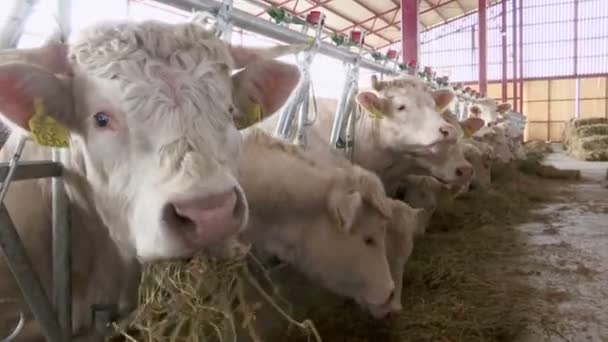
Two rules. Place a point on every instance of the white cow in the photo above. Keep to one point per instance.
(488, 110)
(150, 171)
(328, 222)
(401, 131)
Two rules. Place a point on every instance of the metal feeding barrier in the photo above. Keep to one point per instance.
(299, 103)
(56, 323)
(342, 136)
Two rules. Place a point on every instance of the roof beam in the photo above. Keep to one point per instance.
(355, 24)
(381, 16)
(352, 20)
(434, 7)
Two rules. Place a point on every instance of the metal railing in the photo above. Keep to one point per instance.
(56, 324)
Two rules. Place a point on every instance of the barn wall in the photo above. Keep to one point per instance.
(549, 103)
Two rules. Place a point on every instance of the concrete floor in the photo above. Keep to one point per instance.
(567, 257)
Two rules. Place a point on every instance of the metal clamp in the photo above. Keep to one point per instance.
(102, 317)
(19, 326)
(299, 103)
(342, 135)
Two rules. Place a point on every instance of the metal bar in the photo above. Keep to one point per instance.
(61, 239)
(249, 22)
(14, 24)
(575, 59)
(20, 264)
(515, 59)
(504, 51)
(64, 17)
(543, 78)
(521, 55)
(410, 33)
(62, 256)
(328, 28)
(435, 7)
(276, 5)
(29, 283)
(377, 15)
(343, 16)
(31, 170)
(483, 46)
(548, 110)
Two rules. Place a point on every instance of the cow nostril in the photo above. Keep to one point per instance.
(459, 172)
(444, 132)
(391, 296)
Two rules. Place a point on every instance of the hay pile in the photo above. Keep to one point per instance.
(452, 291)
(201, 299)
(587, 139)
(537, 146)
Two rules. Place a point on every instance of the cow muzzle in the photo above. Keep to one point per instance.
(207, 220)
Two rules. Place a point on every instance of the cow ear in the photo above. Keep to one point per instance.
(475, 110)
(472, 125)
(262, 88)
(503, 108)
(22, 85)
(344, 206)
(442, 99)
(244, 56)
(371, 102)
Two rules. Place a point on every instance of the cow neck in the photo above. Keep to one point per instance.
(368, 151)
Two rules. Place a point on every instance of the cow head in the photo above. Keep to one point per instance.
(408, 114)
(399, 245)
(345, 248)
(449, 166)
(481, 163)
(149, 111)
(485, 109)
(421, 192)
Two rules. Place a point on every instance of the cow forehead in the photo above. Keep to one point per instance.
(171, 73)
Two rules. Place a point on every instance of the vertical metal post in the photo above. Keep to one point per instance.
(61, 245)
(577, 99)
(62, 256)
(515, 56)
(521, 55)
(503, 34)
(14, 25)
(410, 33)
(21, 266)
(483, 46)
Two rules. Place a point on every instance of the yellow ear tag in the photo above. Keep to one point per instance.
(339, 222)
(467, 132)
(45, 130)
(311, 42)
(376, 113)
(254, 114)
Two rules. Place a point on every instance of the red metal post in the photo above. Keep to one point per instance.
(515, 59)
(410, 34)
(504, 51)
(483, 46)
(521, 55)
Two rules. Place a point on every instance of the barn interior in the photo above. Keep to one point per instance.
(513, 248)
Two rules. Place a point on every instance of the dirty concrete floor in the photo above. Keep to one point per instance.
(567, 256)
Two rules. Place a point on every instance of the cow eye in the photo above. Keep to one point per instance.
(369, 241)
(400, 108)
(102, 119)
